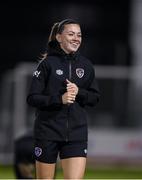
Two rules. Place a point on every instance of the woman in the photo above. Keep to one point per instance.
(63, 84)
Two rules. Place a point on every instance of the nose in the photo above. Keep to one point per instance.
(76, 37)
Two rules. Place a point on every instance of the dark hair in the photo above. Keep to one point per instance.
(57, 28)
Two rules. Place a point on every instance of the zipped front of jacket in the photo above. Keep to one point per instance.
(70, 77)
(70, 70)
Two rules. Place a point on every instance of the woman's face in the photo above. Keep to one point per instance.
(70, 38)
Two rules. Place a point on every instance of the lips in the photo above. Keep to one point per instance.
(75, 44)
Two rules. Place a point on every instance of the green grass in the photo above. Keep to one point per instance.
(7, 172)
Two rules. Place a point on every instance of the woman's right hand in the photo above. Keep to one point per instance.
(68, 97)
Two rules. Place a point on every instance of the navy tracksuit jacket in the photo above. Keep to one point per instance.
(54, 120)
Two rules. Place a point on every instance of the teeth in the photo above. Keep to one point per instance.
(75, 44)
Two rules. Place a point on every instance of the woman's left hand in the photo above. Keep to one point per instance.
(72, 87)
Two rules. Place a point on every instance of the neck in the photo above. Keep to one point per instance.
(66, 50)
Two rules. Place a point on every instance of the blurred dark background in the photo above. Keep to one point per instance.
(25, 29)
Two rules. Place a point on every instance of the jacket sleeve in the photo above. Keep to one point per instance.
(90, 95)
(36, 96)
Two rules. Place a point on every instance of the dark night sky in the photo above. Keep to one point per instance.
(25, 29)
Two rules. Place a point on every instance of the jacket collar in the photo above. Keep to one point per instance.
(54, 49)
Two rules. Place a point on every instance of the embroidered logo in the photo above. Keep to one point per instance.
(85, 151)
(80, 72)
(59, 72)
(36, 73)
(38, 151)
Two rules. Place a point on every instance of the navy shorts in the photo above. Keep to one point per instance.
(48, 151)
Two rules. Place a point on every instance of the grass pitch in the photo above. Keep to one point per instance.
(7, 172)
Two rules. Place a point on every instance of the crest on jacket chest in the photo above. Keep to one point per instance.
(80, 72)
(59, 72)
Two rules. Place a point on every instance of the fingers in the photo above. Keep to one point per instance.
(71, 96)
(71, 87)
(68, 81)
(69, 84)
(68, 97)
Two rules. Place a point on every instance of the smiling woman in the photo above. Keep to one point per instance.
(65, 85)
(70, 38)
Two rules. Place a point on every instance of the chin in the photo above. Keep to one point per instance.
(73, 50)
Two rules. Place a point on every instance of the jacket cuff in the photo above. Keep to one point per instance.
(82, 96)
(82, 93)
(54, 100)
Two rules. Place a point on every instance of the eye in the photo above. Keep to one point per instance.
(79, 35)
(70, 34)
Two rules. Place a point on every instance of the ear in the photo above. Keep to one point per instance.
(58, 38)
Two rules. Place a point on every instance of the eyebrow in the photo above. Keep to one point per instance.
(73, 32)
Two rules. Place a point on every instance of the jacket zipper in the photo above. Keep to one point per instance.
(70, 69)
(70, 76)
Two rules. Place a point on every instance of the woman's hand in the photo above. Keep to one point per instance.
(72, 87)
(68, 97)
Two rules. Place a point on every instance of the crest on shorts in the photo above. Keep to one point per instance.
(38, 151)
(80, 72)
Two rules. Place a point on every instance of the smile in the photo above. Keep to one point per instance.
(75, 44)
